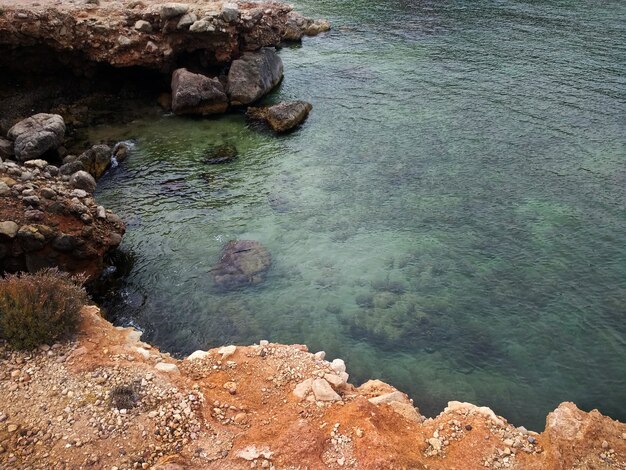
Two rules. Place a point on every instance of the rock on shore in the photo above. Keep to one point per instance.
(109, 400)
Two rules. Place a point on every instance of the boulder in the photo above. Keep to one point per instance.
(243, 262)
(36, 135)
(323, 391)
(83, 180)
(96, 160)
(193, 93)
(282, 117)
(253, 76)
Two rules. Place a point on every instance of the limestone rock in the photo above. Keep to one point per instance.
(187, 20)
(303, 388)
(198, 355)
(143, 26)
(205, 25)
(8, 229)
(323, 391)
(172, 10)
(284, 116)
(194, 93)
(227, 351)
(166, 367)
(243, 262)
(36, 135)
(253, 75)
(83, 180)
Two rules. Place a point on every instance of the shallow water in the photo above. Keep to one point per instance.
(450, 219)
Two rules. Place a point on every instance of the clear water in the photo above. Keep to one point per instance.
(450, 219)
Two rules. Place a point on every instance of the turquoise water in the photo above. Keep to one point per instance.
(450, 219)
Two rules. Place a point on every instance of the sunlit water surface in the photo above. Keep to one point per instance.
(450, 219)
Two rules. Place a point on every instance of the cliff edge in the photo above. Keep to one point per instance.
(110, 401)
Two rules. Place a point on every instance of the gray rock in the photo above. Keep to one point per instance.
(83, 180)
(323, 391)
(143, 26)
(71, 167)
(8, 229)
(38, 163)
(4, 189)
(6, 148)
(303, 389)
(202, 26)
(230, 12)
(36, 135)
(172, 10)
(253, 75)
(243, 262)
(187, 20)
(193, 93)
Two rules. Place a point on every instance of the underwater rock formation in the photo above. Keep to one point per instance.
(243, 262)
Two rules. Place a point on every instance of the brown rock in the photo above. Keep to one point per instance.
(194, 93)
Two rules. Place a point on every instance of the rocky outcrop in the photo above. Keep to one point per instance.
(243, 262)
(150, 33)
(193, 93)
(225, 153)
(282, 117)
(260, 406)
(36, 135)
(253, 76)
(298, 26)
(50, 220)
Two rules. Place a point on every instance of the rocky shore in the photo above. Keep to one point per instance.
(110, 401)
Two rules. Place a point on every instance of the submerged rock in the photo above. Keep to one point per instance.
(282, 117)
(194, 93)
(36, 135)
(221, 154)
(243, 262)
(253, 76)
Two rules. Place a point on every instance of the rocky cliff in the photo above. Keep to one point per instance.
(109, 400)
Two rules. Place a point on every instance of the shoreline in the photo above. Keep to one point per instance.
(122, 403)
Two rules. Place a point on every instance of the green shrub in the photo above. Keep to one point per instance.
(39, 308)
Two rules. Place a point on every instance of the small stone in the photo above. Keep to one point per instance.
(227, 351)
(435, 443)
(320, 355)
(143, 26)
(605, 445)
(532, 440)
(166, 367)
(338, 365)
(468, 427)
(231, 387)
(12, 428)
(303, 389)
